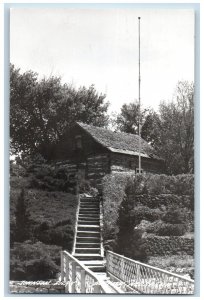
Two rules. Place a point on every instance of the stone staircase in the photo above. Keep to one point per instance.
(88, 247)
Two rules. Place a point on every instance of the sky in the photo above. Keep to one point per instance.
(100, 46)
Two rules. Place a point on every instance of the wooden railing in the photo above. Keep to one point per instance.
(101, 225)
(144, 279)
(78, 278)
(76, 223)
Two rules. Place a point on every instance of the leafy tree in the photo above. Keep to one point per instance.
(129, 239)
(42, 110)
(22, 219)
(151, 129)
(128, 118)
(176, 130)
(170, 131)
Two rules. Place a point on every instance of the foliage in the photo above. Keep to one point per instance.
(22, 219)
(129, 239)
(42, 110)
(55, 235)
(170, 131)
(128, 118)
(181, 264)
(113, 194)
(157, 184)
(151, 127)
(36, 261)
(157, 204)
(168, 229)
(176, 130)
(51, 213)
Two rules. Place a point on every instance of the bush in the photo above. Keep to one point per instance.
(113, 194)
(60, 236)
(157, 199)
(167, 229)
(177, 216)
(142, 212)
(34, 261)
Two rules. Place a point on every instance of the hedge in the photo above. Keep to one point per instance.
(154, 198)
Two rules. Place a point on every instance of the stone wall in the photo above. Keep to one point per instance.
(37, 287)
(168, 245)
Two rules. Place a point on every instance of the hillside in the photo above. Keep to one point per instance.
(51, 214)
(151, 218)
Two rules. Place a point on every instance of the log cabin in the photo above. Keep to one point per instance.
(92, 152)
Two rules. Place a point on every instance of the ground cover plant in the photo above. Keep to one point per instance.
(46, 222)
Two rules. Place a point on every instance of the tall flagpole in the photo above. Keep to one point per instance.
(139, 81)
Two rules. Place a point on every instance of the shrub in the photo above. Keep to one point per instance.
(177, 215)
(22, 219)
(34, 261)
(113, 194)
(60, 236)
(167, 229)
(142, 212)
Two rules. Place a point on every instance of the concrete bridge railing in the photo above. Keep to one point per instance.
(145, 279)
(78, 278)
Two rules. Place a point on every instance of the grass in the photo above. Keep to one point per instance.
(179, 264)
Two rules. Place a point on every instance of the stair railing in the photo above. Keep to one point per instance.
(101, 225)
(145, 279)
(78, 278)
(76, 223)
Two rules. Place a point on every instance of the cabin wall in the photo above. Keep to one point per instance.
(68, 150)
(97, 167)
(126, 163)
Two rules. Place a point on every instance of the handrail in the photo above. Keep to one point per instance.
(76, 223)
(146, 279)
(101, 225)
(78, 278)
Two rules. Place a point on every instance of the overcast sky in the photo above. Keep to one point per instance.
(100, 46)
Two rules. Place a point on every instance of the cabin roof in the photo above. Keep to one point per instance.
(119, 142)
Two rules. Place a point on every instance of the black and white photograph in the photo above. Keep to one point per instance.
(102, 169)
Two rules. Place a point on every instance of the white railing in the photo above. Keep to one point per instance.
(78, 278)
(101, 225)
(76, 223)
(145, 279)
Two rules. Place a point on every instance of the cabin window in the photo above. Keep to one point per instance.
(78, 142)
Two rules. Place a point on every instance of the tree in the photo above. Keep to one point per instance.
(151, 128)
(22, 219)
(128, 118)
(42, 110)
(176, 130)
(129, 239)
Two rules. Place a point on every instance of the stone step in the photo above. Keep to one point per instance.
(88, 234)
(88, 210)
(97, 268)
(92, 216)
(94, 207)
(87, 245)
(84, 222)
(88, 239)
(94, 204)
(89, 207)
(95, 265)
(95, 228)
(81, 256)
(88, 250)
(89, 199)
(88, 218)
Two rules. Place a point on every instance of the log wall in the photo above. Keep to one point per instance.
(127, 163)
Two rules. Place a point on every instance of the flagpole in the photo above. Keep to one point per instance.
(139, 82)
